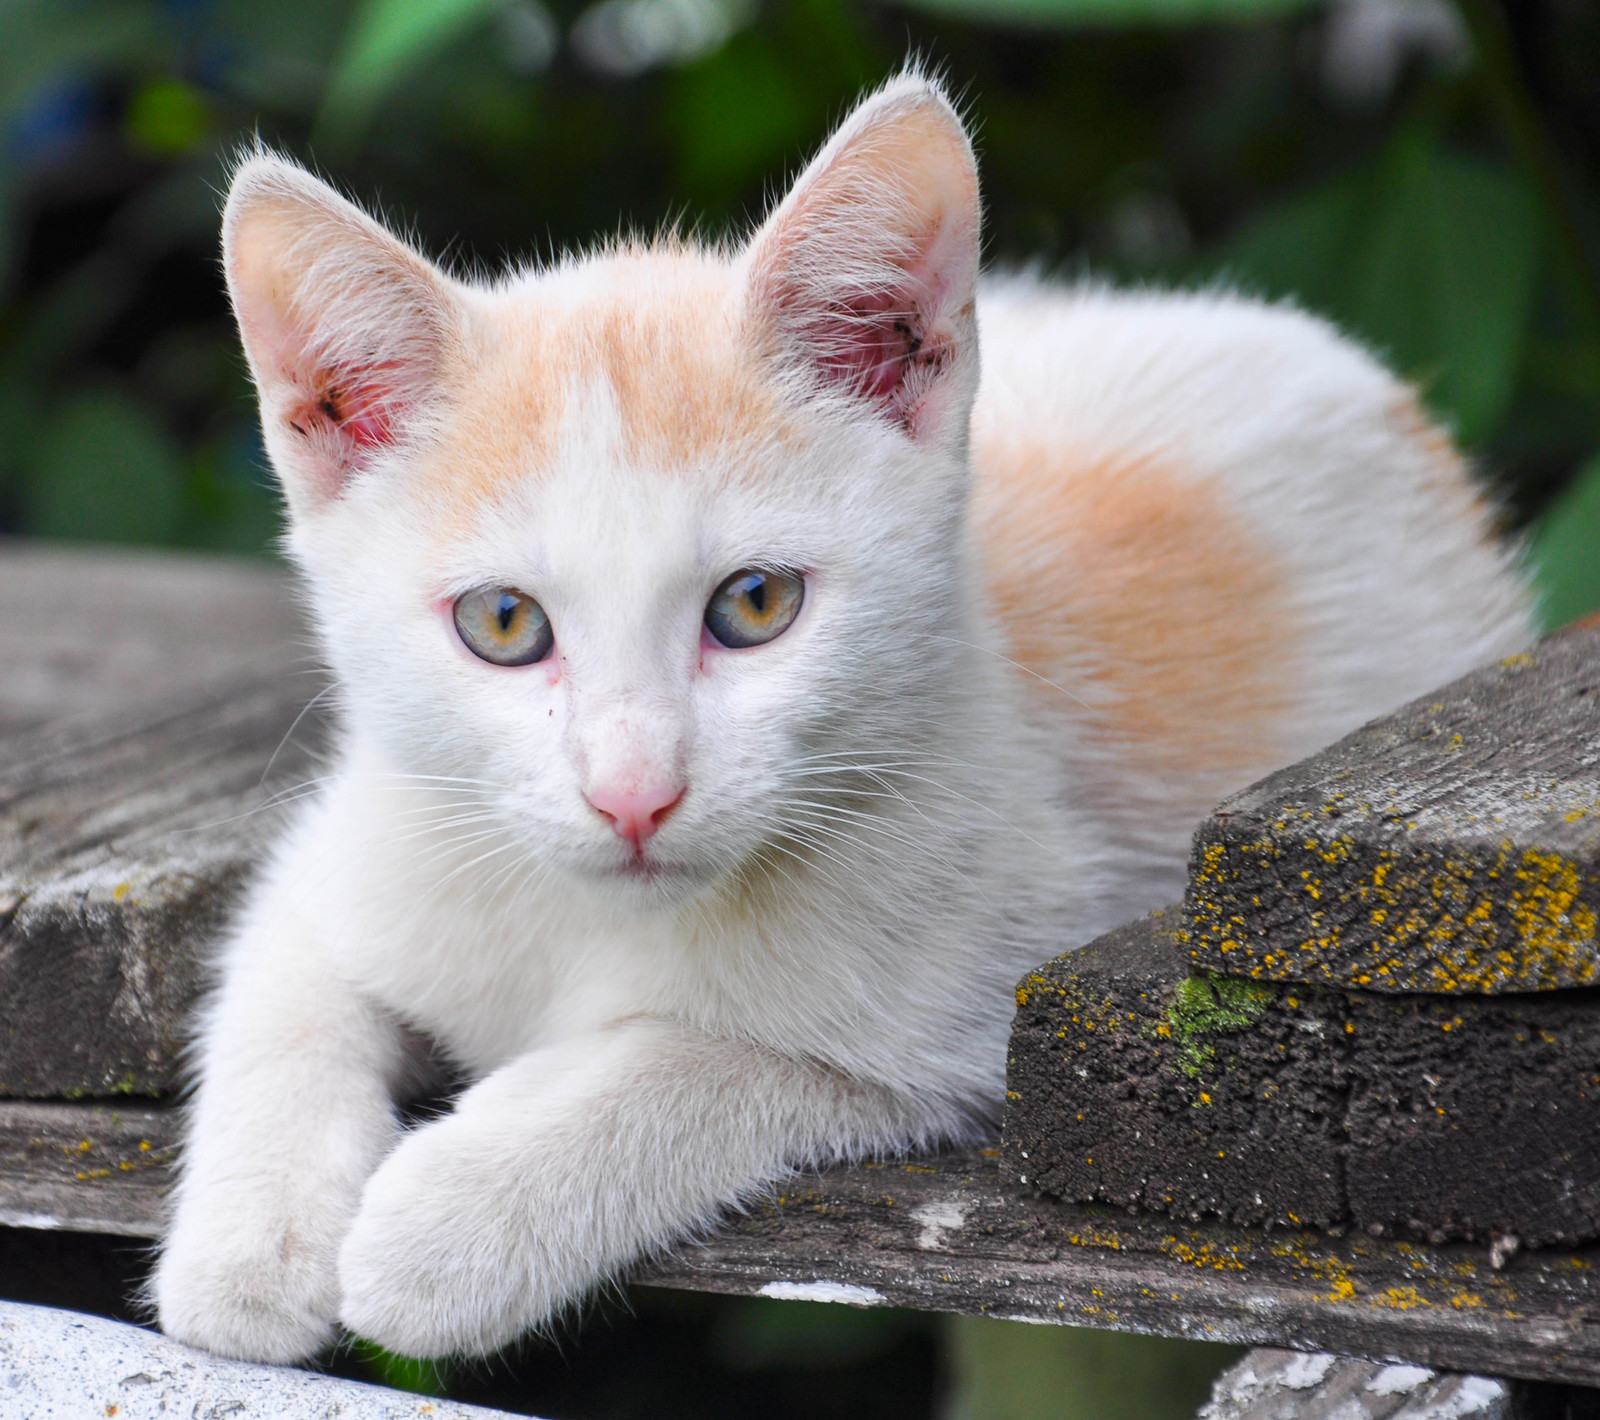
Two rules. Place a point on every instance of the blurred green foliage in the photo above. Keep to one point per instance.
(1012, 1371)
(1566, 550)
(1420, 172)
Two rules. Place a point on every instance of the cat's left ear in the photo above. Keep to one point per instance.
(866, 274)
(346, 328)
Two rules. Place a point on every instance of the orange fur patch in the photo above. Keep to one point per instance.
(661, 333)
(1140, 590)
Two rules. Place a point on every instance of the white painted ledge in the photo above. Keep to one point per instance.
(59, 1365)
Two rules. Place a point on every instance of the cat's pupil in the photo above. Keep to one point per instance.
(757, 592)
(506, 612)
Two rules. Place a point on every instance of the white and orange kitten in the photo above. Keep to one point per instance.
(739, 693)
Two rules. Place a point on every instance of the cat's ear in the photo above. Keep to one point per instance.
(344, 326)
(866, 273)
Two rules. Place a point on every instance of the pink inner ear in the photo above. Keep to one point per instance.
(361, 406)
(884, 343)
(869, 344)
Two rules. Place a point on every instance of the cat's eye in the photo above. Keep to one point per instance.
(753, 607)
(504, 626)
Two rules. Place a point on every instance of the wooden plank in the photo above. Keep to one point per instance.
(1132, 1081)
(1451, 847)
(144, 698)
(120, 855)
(92, 1168)
(950, 1234)
(61, 1364)
(1290, 1385)
(88, 634)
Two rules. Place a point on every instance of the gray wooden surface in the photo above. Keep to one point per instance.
(123, 835)
(86, 633)
(1451, 847)
(1131, 1081)
(91, 1168)
(953, 1234)
(127, 825)
(59, 1365)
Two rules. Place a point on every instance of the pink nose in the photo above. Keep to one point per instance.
(638, 815)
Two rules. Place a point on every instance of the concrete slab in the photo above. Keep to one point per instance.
(59, 1365)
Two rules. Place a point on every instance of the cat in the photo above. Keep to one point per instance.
(739, 693)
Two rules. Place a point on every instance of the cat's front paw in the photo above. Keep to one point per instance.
(240, 1286)
(441, 1259)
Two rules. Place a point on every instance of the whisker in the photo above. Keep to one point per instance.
(1001, 656)
(305, 710)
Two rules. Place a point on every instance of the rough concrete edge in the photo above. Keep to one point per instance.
(62, 1363)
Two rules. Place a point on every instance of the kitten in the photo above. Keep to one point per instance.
(739, 695)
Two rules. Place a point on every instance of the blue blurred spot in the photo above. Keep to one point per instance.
(60, 116)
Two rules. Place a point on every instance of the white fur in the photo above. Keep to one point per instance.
(876, 841)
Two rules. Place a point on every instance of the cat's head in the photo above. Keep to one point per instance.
(634, 553)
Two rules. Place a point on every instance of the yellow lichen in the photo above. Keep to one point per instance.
(1400, 1298)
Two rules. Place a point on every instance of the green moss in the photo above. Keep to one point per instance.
(1205, 1005)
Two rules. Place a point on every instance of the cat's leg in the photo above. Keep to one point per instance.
(569, 1163)
(292, 1113)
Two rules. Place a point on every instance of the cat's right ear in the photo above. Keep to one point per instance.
(345, 327)
(866, 273)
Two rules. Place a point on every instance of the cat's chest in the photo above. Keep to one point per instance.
(490, 982)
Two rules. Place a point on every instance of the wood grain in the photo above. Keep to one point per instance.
(1451, 847)
(130, 819)
(92, 1168)
(88, 634)
(949, 1234)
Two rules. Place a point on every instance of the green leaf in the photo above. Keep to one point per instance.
(1566, 551)
(736, 114)
(1430, 257)
(387, 39)
(104, 470)
(229, 509)
(403, 1372)
(1069, 14)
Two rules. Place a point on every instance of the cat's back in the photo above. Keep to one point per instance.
(1227, 533)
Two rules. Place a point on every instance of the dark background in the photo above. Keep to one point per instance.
(1420, 170)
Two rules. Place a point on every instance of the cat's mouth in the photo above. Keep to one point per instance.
(651, 871)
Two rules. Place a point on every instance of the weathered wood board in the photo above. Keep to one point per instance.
(91, 633)
(1133, 1081)
(1290, 1385)
(950, 1234)
(126, 833)
(1451, 847)
(93, 1168)
(120, 854)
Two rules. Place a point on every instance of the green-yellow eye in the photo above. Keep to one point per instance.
(751, 607)
(504, 626)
